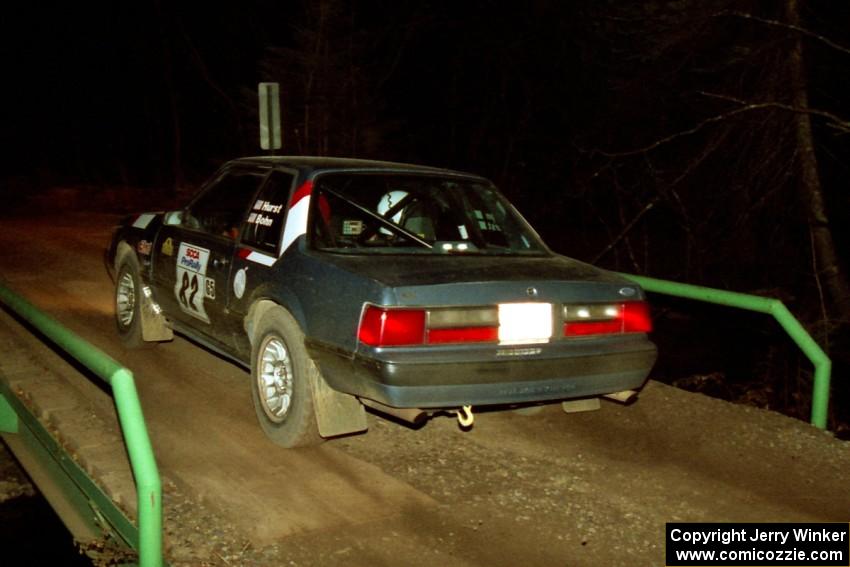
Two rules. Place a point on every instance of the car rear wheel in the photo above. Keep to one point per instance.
(282, 377)
(128, 302)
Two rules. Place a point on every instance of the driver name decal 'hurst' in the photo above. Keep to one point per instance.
(191, 285)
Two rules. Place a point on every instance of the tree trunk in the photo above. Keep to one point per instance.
(811, 192)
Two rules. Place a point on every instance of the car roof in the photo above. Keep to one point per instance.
(318, 164)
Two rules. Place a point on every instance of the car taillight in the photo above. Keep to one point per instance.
(606, 319)
(636, 318)
(381, 326)
(464, 335)
(392, 327)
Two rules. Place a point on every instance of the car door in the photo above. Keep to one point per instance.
(260, 246)
(193, 259)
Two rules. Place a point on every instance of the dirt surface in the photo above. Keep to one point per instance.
(13, 481)
(593, 488)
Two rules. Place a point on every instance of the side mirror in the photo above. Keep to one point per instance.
(173, 218)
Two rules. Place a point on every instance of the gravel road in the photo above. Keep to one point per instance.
(592, 488)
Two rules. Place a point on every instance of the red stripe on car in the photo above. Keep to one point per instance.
(303, 191)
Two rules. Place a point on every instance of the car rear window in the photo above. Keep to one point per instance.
(378, 213)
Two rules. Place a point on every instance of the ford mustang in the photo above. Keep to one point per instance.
(346, 283)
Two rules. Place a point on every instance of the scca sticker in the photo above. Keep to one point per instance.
(191, 286)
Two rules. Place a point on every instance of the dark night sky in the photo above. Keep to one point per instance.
(89, 84)
(99, 80)
(92, 89)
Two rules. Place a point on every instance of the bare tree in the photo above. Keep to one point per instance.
(827, 263)
(738, 121)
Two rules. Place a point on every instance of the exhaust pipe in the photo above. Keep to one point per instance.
(410, 415)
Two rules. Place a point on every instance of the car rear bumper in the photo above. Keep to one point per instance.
(451, 377)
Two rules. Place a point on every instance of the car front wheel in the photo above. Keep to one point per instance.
(281, 377)
(128, 302)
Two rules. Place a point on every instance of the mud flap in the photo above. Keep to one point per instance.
(154, 327)
(336, 413)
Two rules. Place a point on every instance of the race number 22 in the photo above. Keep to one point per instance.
(191, 289)
(191, 279)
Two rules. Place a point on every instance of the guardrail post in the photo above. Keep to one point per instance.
(148, 485)
(822, 363)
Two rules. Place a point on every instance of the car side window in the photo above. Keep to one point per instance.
(220, 209)
(264, 226)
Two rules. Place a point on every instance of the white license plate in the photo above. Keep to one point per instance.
(525, 323)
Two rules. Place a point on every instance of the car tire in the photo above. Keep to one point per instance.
(128, 302)
(282, 376)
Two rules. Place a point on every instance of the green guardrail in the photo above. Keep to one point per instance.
(820, 360)
(136, 439)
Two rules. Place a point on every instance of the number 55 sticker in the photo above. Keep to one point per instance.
(191, 280)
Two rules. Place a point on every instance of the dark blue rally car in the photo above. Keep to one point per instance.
(342, 283)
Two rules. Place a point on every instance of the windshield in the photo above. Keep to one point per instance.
(376, 213)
